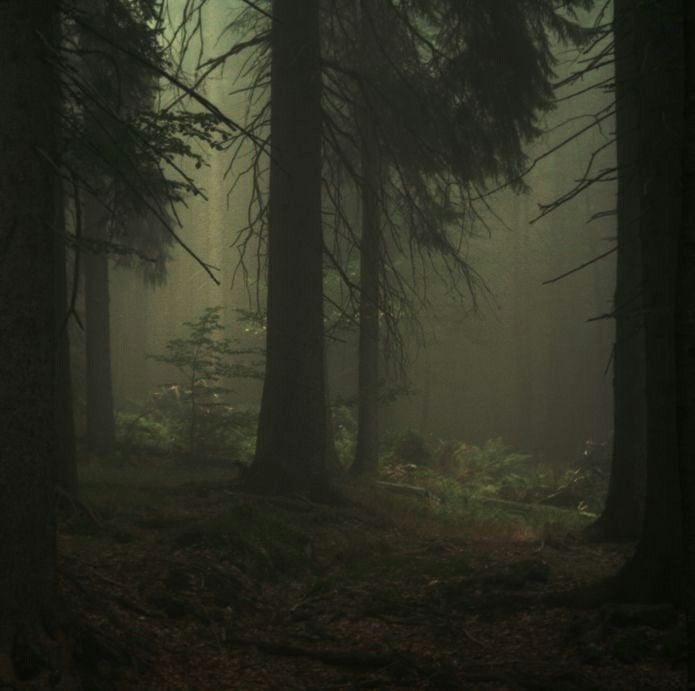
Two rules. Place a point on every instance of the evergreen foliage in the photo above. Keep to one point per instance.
(127, 138)
(204, 359)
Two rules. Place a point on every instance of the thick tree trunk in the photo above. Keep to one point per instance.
(290, 452)
(367, 450)
(622, 516)
(685, 336)
(66, 460)
(28, 105)
(101, 433)
(656, 571)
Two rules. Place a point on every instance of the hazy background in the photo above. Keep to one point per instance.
(526, 366)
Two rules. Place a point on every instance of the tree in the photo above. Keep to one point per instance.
(623, 513)
(431, 130)
(203, 358)
(101, 426)
(655, 573)
(66, 452)
(371, 260)
(685, 334)
(113, 89)
(123, 156)
(290, 452)
(28, 128)
(396, 120)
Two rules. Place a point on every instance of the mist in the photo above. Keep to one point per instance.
(347, 344)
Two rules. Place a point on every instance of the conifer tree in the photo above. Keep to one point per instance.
(28, 188)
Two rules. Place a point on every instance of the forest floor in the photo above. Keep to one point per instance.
(180, 581)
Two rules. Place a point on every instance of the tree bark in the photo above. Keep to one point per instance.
(28, 106)
(655, 573)
(685, 336)
(66, 458)
(367, 449)
(291, 445)
(623, 513)
(101, 433)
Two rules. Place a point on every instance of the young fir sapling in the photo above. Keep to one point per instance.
(204, 359)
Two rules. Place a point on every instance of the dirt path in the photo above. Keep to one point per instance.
(199, 587)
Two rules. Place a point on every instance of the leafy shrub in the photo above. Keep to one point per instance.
(454, 469)
(139, 431)
(164, 426)
(495, 469)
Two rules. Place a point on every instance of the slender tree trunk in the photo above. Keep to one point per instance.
(655, 573)
(332, 457)
(290, 451)
(685, 336)
(101, 433)
(522, 400)
(622, 516)
(28, 105)
(426, 399)
(367, 451)
(66, 459)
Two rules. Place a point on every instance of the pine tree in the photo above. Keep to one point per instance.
(290, 451)
(623, 513)
(655, 573)
(28, 189)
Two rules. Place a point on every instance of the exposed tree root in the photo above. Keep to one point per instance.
(35, 657)
(76, 505)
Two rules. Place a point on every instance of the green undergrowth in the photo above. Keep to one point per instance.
(450, 511)
(457, 473)
(376, 534)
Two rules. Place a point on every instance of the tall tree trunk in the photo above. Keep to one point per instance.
(66, 459)
(655, 573)
(367, 450)
(522, 399)
(332, 457)
(28, 105)
(101, 433)
(685, 336)
(290, 451)
(622, 515)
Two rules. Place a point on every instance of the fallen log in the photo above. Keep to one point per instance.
(405, 490)
(529, 507)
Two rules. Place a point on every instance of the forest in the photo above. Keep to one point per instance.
(347, 344)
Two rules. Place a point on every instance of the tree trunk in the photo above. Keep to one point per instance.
(367, 450)
(28, 105)
(622, 515)
(290, 452)
(522, 399)
(332, 458)
(101, 434)
(66, 460)
(655, 573)
(685, 336)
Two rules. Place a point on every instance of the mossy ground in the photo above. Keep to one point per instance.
(182, 581)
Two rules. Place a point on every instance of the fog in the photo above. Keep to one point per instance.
(347, 344)
(521, 360)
